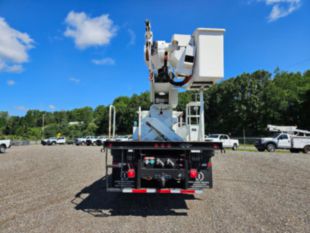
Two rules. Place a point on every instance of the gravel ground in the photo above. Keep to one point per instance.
(60, 189)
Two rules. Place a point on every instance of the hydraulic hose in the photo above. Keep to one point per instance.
(181, 83)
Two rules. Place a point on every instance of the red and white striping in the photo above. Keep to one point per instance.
(162, 191)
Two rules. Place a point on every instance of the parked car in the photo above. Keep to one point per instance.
(4, 145)
(54, 141)
(224, 139)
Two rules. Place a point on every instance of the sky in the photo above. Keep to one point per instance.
(64, 54)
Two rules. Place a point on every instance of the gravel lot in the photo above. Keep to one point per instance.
(60, 189)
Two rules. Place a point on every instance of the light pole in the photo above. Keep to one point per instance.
(43, 125)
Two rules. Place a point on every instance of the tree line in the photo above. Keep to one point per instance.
(246, 103)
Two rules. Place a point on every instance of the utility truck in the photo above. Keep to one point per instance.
(285, 137)
(4, 145)
(168, 153)
(225, 139)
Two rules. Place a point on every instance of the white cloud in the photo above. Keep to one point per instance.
(14, 46)
(281, 8)
(104, 61)
(87, 31)
(15, 68)
(10, 82)
(21, 108)
(74, 80)
(132, 37)
(52, 107)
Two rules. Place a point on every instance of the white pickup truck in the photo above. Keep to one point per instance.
(80, 141)
(284, 141)
(54, 141)
(91, 140)
(226, 141)
(100, 140)
(88, 140)
(123, 138)
(4, 144)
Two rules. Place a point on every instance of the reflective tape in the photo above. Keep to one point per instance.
(162, 191)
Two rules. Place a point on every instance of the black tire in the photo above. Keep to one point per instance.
(261, 150)
(271, 147)
(2, 148)
(235, 147)
(306, 149)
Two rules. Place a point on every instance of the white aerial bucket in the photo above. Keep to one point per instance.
(209, 57)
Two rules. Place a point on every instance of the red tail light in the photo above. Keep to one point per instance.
(131, 173)
(155, 145)
(193, 173)
(209, 164)
(216, 146)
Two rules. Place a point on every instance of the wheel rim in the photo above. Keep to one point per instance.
(270, 148)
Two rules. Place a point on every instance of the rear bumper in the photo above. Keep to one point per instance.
(158, 191)
(168, 179)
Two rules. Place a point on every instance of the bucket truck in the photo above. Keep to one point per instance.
(285, 137)
(169, 154)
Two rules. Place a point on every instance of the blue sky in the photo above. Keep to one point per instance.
(53, 57)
